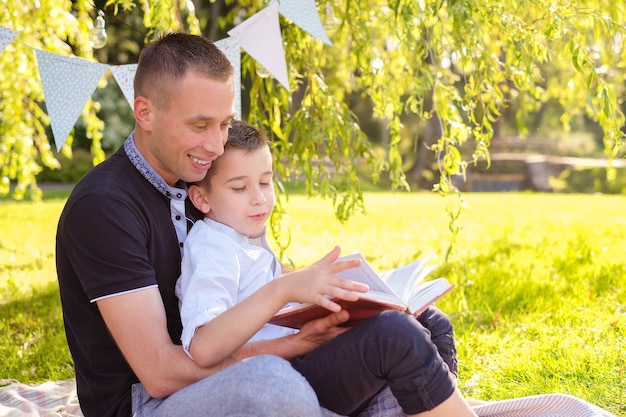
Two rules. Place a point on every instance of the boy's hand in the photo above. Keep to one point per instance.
(316, 283)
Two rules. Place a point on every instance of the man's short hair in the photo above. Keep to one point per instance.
(165, 61)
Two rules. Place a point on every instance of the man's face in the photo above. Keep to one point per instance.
(187, 136)
(242, 193)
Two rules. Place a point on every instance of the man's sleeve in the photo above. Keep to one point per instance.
(106, 242)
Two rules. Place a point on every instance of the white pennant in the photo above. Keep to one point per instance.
(125, 76)
(68, 82)
(6, 37)
(231, 48)
(260, 37)
(304, 14)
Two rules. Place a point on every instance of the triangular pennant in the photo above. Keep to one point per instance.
(304, 14)
(260, 37)
(68, 82)
(231, 48)
(6, 37)
(124, 76)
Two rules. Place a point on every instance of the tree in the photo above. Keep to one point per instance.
(24, 145)
(455, 64)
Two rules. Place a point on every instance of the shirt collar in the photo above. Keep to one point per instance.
(137, 159)
(259, 241)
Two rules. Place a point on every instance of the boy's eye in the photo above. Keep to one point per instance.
(265, 184)
(239, 189)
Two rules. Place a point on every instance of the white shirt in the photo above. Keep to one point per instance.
(220, 268)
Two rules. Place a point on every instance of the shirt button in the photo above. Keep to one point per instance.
(179, 195)
(180, 244)
(177, 217)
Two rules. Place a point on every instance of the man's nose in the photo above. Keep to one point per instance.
(214, 142)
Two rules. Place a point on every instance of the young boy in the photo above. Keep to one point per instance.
(230, 286)
(226, 256)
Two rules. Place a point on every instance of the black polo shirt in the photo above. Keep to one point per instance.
(114, 235)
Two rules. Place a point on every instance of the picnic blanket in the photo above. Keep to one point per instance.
(52, 398)
(58, 398)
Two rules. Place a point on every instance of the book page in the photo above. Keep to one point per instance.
(404, 279)
(427, 293)
(417, 280)
(365, 274)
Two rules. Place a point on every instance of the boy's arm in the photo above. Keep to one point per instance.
(310, 336)
(227, 333)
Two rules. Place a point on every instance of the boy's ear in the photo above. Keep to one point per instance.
(197, 195)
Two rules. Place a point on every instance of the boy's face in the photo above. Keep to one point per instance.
(242, 193)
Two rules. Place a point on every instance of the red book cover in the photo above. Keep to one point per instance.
(296, 317)
(398, 289)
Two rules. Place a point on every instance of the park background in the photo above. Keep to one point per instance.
(460, 98)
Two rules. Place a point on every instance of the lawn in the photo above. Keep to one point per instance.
(539, 307)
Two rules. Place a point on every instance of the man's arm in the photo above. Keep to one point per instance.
(138, 324)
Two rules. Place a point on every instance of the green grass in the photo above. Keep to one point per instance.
(540, 303)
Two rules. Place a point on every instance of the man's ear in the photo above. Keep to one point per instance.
(142, 109)
(197, 195)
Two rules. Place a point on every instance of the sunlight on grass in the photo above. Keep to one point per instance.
(27, 245)
(539, 307)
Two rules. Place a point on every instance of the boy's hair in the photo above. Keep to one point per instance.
(164, 62)
(240, 136)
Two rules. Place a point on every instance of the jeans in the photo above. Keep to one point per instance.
(268, 386)
(260, 386)
(390, 349)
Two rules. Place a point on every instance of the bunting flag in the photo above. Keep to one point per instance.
(260, 37)
(231, 48)
(68, 82)
(6, 37)
(304, 14)
(125, 76)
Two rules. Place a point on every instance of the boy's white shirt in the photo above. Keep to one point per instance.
(220, 268)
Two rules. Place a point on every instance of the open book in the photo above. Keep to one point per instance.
(398, 289)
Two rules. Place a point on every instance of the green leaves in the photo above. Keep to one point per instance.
(462, 63)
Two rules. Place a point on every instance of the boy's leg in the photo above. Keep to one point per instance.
(260, 386)
(392, 349)
(455, 405)
(383, 404)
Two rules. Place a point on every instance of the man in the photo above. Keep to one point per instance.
(119, 244)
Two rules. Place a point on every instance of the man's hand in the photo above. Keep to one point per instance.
(317, 332)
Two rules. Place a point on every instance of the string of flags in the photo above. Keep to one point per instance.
(69, 81)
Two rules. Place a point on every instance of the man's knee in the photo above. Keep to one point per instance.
(258, 386)
(280, 390)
